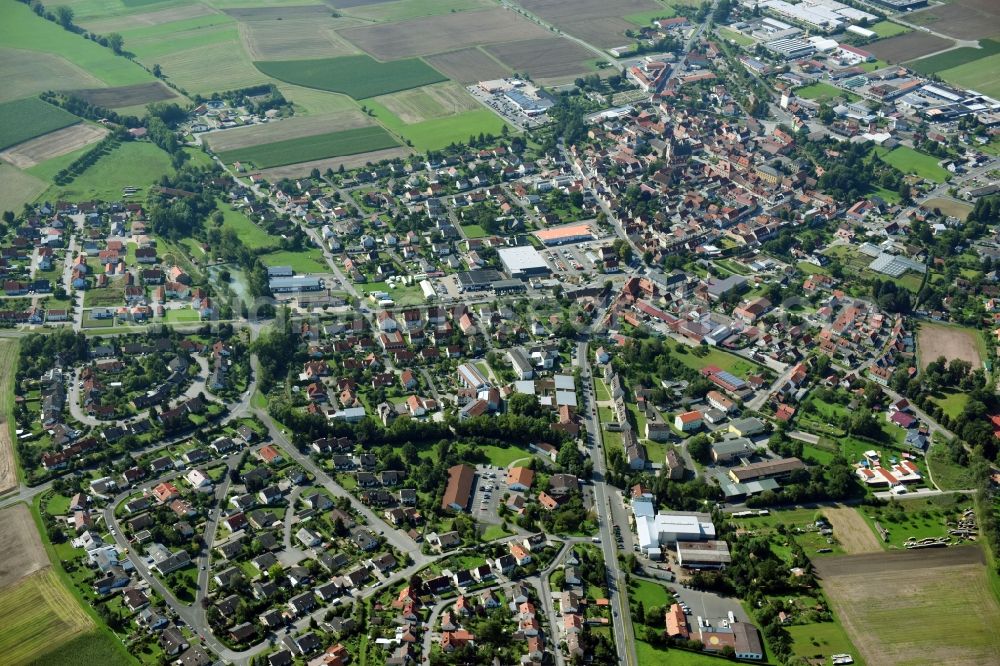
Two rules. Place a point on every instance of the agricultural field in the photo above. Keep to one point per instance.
(131, 164)
(26, 73)
(18, 188)
(21, 548)
(545, 58)
(290, 32)
(125, 96)
(596, 21)
(955, 58)
(348, 162)
(934, 340)
(908, 46)
(824, 92)
(295, 127)
(886, 29)
(468, 65)
(909, 160)
(436, 133)
(962, 19)
(428, 103)
(427, 36)
(22, 29)
(8, 460)
(851, 531)
(915, 607)
(358, 76)
(979, 75)
(332, 144)
(38, 614)
(25, 119)
(380, 11)
(54, 144)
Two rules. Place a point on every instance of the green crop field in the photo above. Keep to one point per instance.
(936, 64)
(304, 149)
(25, 119)
(359, 76)
(96, 647)
(133, 163)
(22, 29)
(37, 615)
(888, 29)
(909, 160)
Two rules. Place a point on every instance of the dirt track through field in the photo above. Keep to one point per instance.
(851, 530)
(63, 141)
(8, 464)
(21, 550)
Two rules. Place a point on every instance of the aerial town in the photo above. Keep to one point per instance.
(631, 332)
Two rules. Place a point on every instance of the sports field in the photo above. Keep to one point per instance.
(359, 76)
(918, 607)
(909, 160)
(25, 119)
(347, 142)
(823, 92)
(934, 340)
(8, 462)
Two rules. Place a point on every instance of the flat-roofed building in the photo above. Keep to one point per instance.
(703, 555)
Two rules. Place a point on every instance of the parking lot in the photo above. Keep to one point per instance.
(487, 493)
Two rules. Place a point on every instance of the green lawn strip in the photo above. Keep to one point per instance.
(24, 119)
(654, 656)
(601, 389)
(307, 148)
(359, 76)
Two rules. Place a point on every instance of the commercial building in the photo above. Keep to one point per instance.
(728, 450)
(769, 469)
(478, 280)
(703, 555)
(573, 233)
(523, 262)
(790, 48)
(294, 284)
(459, 489)
(658, 530)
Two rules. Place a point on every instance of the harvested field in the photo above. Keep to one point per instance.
(345, 4)
(916, 608)
(437, 34)
(598, 22)
(429, 102)
(26, 73)
(145, 19)
(851, 530)
(116, 98)
(287, 33)
(21, 550)
(8, 461)
(316, 147)
(468, 65)
(907, 47)
(962, 19)
(546, 58)
(934, 340)
(38, 615)
(66, 140)
(348, 161)
(291, 128)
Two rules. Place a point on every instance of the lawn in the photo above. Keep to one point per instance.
(438, 133)
(601, 389)
(304, 261)
(919, 517)
(22, 29)
(886, 29)
(494, 532)
(653, 656)
(502, 457)
(359, 76)
(473, 231)
(25, 119)
(252, 235)
(180, 315)
(38, 614)
(131, 164)
(104, 297)
(307, 148)
(409, 294)
(649, 593)
(824, 92)
(736, 365)
(952, 404)
(739, 38)
(820, 640)
(909, 160)
(643, 19)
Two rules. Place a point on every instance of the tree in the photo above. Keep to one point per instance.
(116, 43)
(157, 72)
(64, 16)
(700, 448)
